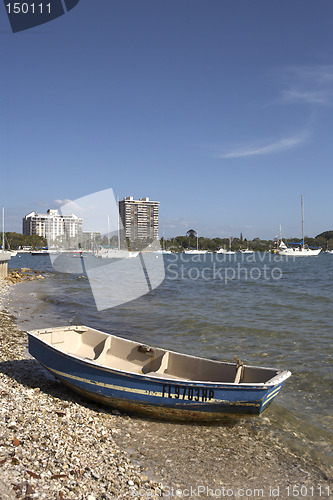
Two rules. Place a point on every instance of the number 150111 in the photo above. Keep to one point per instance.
(28, 8)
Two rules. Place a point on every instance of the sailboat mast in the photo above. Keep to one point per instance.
(302, 220)
(109, 236)
(3, 228)
(118, 223)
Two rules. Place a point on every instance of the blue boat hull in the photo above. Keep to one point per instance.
(158, 398)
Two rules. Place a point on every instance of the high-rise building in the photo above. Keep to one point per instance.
(139, 218)
(52, 225)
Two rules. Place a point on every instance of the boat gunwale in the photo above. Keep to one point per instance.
(276, 380)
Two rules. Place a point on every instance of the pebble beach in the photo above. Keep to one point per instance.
(56, 445)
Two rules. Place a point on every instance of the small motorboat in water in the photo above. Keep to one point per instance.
(164, 384)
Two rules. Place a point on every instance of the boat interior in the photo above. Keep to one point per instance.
(120, 354)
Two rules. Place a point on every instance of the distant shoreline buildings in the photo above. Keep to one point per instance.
(138, 221)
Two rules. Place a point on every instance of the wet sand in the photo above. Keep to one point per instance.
(55, 444)
(231, 460)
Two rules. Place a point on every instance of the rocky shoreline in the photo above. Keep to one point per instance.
(52, 444)
(56, 445)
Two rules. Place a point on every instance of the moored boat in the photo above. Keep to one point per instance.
(162, 251)
(115, 253)
(292, 249)
(39, 252)
(153, 381)
(193, 251)
(224, 251)
(297, 250)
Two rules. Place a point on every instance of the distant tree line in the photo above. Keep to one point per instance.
(14, 241)
(180, 243)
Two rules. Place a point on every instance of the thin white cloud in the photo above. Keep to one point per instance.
(308, 84)
(58, 203)
(263, 149)
(310, 97)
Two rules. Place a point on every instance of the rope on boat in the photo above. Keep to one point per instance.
(239, 370)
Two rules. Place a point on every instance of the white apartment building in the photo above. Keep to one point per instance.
(52, 225)
(139, 218)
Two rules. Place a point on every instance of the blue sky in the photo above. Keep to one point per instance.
(221, 110)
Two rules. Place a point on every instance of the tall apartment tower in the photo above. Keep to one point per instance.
(139, 218)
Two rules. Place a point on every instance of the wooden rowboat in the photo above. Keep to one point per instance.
(148, 380)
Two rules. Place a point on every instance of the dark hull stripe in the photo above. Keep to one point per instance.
(163, 412)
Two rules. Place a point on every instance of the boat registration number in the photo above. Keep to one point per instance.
(187, 392)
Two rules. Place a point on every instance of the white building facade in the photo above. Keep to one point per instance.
(52, 225)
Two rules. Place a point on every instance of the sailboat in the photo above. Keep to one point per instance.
(327, 250)
(196, 251)
(298, 249)
(116, 253)
(4, 256)
(10, 252)
(224, 251)
(246, 250)
(162, 251)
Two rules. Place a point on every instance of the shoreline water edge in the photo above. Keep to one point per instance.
(56, 445)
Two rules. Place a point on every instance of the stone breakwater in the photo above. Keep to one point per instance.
(24, 274)
(56, 445)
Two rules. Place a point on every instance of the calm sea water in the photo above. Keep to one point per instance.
(265, 309)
